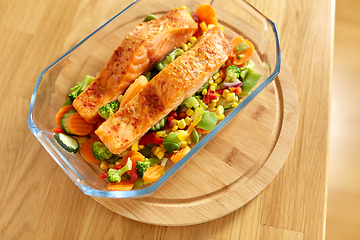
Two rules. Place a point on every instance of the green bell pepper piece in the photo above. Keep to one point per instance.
(249, 82)
(208, 121)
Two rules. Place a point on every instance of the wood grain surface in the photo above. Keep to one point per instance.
(254, 148)
(39, 201)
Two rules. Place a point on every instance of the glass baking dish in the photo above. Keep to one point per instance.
(90, 55)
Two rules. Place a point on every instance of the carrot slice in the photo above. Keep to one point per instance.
(153, 173)
(134, 157)
(247, 54)
(180, 154)
(86, 151)
(206, 14)
(121, 186)
(133, 89)
(78, 126)
(61, 113)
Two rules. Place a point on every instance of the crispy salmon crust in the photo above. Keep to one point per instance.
(140, 50)
(178, 81)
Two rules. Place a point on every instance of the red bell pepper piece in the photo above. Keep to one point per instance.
(133, 174)
(173, 114)
(220, 91)
(103, 175)
(158, 141)
(170, 118)
(209, 96)
(58, 130)
(237, 90)
(119, 166)
(146, 138)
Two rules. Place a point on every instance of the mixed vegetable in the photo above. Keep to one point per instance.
(170, 138)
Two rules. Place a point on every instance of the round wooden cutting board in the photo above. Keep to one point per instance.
(233, 168)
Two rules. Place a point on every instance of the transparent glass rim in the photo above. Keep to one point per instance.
(86, 189)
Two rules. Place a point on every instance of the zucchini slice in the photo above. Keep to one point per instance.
(227, 105)
(68, 143)
(64, 120)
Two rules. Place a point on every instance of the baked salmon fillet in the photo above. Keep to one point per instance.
(167, 90)
(140, 50)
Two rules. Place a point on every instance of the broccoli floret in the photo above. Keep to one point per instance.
(80, 87)
(109, 109)
(249, 68)
(232, 73)
(100, 151)
(115, 175)
(148, 162)
(141, 167)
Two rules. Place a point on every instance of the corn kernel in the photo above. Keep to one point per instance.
(189, 112)
(111, 165)
(212, 88)
(155, 150)
(204, 92)
(184, 47)
(193, 40)
(141, 147)
(215, 100)
(203, 26)
(183, 7)
(218, 80)
(104, 165)
(220, 109)
(187, 121)
(241, 100)
(176, 8)
(210, 26)
(182, 135)
(174, 128)
(135, 146)
(225, 93)
(160, 134)
(221, 27)
(211, 81)
(235, 104)
(117, 163)
(212, 109)
(181, 124)
(220, 116)
(230, 97)
(189, 141)
(212, 104)
(183, 144)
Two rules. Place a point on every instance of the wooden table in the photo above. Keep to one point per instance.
(38, 200)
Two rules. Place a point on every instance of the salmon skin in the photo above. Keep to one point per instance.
(167, 90)
(140, 50)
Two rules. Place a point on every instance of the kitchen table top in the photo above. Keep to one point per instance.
(39, 201)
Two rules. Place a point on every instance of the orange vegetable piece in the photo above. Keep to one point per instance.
(206, 14)
(202, 131)
(153, 173)
(203, 26)
(61, 113)
(134, 157)
(86, 151)
(222, 72)
(180, 154)
(121, 186)
(247, 54)
(133, 89)
(78, 126)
